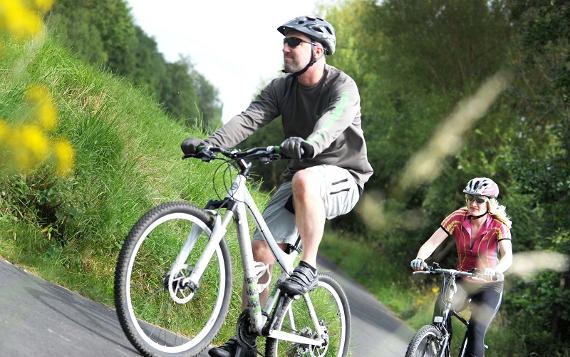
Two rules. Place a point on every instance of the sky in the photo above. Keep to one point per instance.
(234, 44)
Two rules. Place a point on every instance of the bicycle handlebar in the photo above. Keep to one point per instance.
(208, 153)
(454, 272)
(475, 274)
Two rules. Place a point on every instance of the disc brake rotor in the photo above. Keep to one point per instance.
(180, 293)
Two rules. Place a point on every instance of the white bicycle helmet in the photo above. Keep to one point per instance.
(482, 186)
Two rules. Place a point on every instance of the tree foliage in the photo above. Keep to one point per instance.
(102, 32)
(413, 62)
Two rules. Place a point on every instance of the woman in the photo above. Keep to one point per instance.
(482, 236)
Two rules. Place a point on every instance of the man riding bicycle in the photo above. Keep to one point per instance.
(320, 110)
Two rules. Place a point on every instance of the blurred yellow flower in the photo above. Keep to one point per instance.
(44, 110)
(35, 142)
(36, 93)
(65, 157)
(24, 147)
(19, 20)
(29, 146)
(435, 290)
(44, 5)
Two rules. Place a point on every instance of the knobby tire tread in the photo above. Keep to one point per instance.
(419, 336)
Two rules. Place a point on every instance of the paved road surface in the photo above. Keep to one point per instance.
(375, 330)
(38, 318)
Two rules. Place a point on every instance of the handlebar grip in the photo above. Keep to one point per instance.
(307, 151)
(192, 146)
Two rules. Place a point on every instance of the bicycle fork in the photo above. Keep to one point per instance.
(218, 233)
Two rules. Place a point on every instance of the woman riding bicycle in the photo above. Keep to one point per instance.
(482, 236)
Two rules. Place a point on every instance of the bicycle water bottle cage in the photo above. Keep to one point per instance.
(297, 246)
(260, 269)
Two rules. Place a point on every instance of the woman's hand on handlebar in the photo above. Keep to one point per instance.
(418, 264)
(491, 274)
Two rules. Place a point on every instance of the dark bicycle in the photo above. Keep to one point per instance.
(434, 340)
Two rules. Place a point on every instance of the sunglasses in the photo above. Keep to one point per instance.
(478, 199)
(294, 41)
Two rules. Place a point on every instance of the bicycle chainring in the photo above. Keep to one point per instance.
(312, 351)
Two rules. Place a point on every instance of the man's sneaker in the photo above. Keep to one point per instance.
(302, 280)
(243, 344)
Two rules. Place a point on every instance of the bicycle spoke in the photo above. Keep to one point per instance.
(330, 323)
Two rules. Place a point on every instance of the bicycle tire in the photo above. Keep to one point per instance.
(333, 312)
(151, 319)
(426, 343)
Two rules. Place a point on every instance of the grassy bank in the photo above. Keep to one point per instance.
(70, 230)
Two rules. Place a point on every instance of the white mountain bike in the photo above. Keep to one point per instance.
(173, 280)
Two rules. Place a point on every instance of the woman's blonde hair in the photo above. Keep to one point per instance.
(499, 211)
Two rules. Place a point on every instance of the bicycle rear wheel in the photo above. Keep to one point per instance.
(333, 313)
(427, 342)
(158, 313)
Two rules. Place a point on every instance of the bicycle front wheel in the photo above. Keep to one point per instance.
(159, 313)
(332, 313)
(427, 342)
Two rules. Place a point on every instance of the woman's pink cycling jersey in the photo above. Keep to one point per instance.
(475, 252)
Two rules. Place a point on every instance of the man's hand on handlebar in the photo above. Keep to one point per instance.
(297, 148)
(195, 147)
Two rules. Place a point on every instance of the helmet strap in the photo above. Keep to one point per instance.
(477, 217)
(312, 61)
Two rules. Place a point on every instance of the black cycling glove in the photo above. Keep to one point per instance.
(297, 148)
(193, 146)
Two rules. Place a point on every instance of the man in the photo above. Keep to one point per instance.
(320, 110)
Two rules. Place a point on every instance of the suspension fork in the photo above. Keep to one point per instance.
(218, 233)
(189, 244)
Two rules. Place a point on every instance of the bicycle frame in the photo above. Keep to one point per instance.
(443, 315)
(237, 200)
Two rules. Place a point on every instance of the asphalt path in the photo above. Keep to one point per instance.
(376, 331)
(38, 318)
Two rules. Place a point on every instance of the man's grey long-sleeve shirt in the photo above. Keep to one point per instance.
(327, 115)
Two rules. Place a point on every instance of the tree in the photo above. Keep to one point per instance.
(209, 105)
(105, 23)
(103, 33)
(150, 67)
(178, 95)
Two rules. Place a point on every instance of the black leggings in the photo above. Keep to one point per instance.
(485, 302)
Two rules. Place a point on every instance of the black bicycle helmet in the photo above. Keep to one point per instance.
(316, 28)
